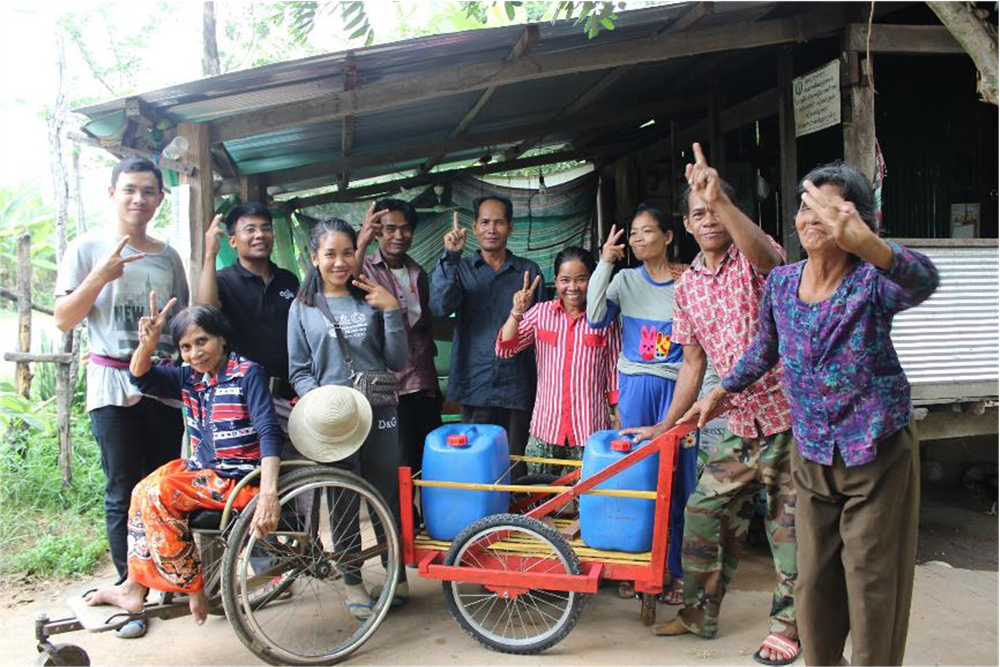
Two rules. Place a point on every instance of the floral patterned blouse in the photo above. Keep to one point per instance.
(841, 373)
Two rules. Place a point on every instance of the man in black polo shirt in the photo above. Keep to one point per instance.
(253, 293)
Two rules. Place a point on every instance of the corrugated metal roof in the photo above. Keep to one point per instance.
(952, 338)
(429, 121)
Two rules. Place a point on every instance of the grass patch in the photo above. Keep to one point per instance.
(49, 529)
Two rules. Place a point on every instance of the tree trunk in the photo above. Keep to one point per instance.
(977, 38)
(210, 55)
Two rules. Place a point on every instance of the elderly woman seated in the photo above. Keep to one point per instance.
(233, 429)
(856, 468)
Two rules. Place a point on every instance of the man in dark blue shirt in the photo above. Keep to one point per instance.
(480, 289)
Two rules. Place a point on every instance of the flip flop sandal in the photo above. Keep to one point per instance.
(626, 590)
(359, 610)
(133, 629)
(788, 651)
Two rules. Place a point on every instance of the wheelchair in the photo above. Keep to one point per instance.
(284, 595)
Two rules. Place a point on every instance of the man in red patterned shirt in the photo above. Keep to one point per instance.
(715, 317)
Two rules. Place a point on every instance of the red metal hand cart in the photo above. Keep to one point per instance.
(517, 583)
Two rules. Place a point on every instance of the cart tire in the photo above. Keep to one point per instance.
(648, 611)
(294, 612)
(63, 655)
(514, 625)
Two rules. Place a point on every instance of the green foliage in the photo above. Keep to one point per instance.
(300, 18)
(23, 210)
(48, 528)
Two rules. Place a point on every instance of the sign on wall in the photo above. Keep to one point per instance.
(816, 98)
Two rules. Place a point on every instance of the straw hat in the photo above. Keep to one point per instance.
(330, 423)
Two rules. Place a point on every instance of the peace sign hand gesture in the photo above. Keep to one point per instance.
(612, 251)
(839, 217)
(454, 240)
(703, 179)
(376, 295)
(371, 227)
(151, 326)
(113, 267)
(523, 298)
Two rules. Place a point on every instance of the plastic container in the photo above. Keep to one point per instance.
(617, 524)
(472, 453)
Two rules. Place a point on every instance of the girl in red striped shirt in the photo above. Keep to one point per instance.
(577, 376)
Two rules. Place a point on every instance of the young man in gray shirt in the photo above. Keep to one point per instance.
(105, 278)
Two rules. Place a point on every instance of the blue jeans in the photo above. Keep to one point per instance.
(643, 400)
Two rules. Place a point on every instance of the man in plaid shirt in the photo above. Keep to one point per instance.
(715, 318)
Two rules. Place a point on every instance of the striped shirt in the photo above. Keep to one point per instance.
(577, 376)
(230, 417)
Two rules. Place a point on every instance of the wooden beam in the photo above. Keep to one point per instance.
(859, 121)
(535, 130)
(759, 106)
(692, 16)
(43, 358)
(789, 184)
(224, 162)
(716, 135)
(460, 78)
(11, 295)
(902, 39)
(202, 207)
(125, 151)
(253, 188)
(440, 176)
(347, 126)
(524, 44)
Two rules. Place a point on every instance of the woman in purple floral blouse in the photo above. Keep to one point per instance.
(856, 471)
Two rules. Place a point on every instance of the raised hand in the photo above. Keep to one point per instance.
(839, 217)
(524, 297)
(113, 267)
(376, 295)
(454, 240)
(151, 326)
(612, 251)
(214, 235)
(371, 227)
(703, 179)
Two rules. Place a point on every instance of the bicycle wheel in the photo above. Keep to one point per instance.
(286, 595)
(523, 621)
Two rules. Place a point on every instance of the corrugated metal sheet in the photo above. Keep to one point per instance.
(951, 339)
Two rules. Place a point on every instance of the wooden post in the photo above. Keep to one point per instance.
(202, 194)
(22, 374)
(64, 404)
(789, 158)
(253, 188)
(716, 138)
(859, 122)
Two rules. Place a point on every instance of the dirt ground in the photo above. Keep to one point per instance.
(953, 619)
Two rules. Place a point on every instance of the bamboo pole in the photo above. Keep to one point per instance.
(22, 375)
(523, 488)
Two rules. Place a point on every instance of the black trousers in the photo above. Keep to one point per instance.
(419, 414)
(515, 422)
(134, 441)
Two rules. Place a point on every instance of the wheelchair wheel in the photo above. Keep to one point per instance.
(286, 595)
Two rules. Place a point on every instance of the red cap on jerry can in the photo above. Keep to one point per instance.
(458, 440)
(621, 445)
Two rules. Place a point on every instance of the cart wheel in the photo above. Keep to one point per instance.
(63, 655)
(523, 621)
(648, 611)
(534, 479)
(285, 595)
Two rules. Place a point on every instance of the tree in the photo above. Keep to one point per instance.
(972, 29)
(301, 17)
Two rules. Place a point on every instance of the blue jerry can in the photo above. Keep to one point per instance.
(472, 453)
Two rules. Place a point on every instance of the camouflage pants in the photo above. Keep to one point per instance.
(717, 519)
(545, 450)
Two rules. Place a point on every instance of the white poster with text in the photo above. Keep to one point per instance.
(816, 97)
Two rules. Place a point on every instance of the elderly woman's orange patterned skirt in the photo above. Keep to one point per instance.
(161, 551)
